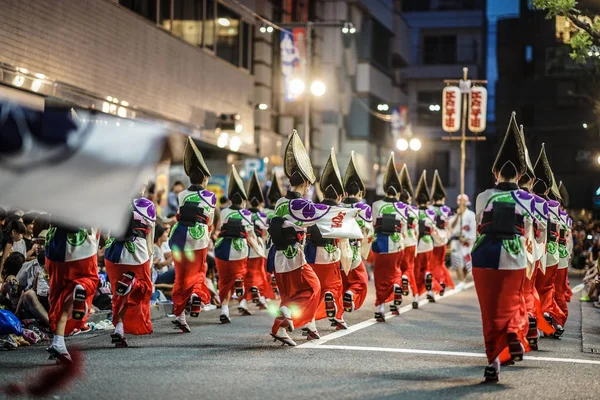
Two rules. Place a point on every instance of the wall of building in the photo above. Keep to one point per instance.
(107, 50)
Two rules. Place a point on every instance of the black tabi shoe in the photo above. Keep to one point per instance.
(284, 340)
(532, 333)
(490, 375)
(224, 319)
(118, 340)
(348, 303)
(394, 310)
(397, 296)
(124, 284)
(313, 335)
(79, 304)
(244, 311)
(330, 306)
(239, 288)
(61, 358)
(379, 317)
(340, 325)
(274, 285)
(559, 332)
(515, 347)
(255, 295)
(404, 286)
(431, 298)
(184, 328)
(196, 306)
(415, 305)
(428, 281)
(443, 285)
(261, 306)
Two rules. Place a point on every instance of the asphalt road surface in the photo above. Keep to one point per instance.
(435, 352)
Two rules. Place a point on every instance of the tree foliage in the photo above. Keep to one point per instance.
(585, 42)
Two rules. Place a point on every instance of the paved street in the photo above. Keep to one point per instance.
(433, 352)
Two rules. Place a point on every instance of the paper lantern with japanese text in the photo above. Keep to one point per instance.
(451, 107)
(477, 109)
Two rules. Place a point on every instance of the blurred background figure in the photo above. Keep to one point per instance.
(463, 230)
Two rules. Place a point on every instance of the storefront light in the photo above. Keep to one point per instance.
(235, 143)
(415, 144)
(18, 80)
(224, 22)
(297, 86)
(36, 85)
(238, 128)
(262, 106)
(223, 140)
(402, 144)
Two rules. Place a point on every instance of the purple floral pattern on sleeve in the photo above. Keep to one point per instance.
(365, 211)
(209, 197)
(306, 211)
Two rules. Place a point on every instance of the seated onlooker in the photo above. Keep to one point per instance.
(172, 199)
(28, 220)
(165, 273)
(14, 243)
(9, 290)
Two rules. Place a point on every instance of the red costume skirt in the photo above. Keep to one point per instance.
(544, 283)
(330, 278)
(190, 275)
(533, 305)
(408, 267)
(229, 272)
(299, 291)
(256, 277)
(63, 277)
(438, 266)
(136, 320)
(386, 272)
(356, 282)
(560, 295)
(503, 311)
(422, 267)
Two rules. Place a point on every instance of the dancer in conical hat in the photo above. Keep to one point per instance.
(565, 246)
(273, 195)
(258, 286)
(499, 256)
(428, 232)
(127, 261)
(324, 254)
(391, 217)
(357, 279)
(299, 286)
(190, 237)
(442, 211)
(535, 240)
(544, 185)
(231, 249)
(407, 265)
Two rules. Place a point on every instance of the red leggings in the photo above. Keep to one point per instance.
(408, 267)
(357, 282)
(190, 275)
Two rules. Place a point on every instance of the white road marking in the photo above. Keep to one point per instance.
(312, 345)
(372, 321)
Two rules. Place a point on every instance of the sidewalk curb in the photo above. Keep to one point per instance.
(157, 311)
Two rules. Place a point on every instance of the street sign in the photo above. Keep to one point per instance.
(255, 164)
(451, 107)
(477, 109)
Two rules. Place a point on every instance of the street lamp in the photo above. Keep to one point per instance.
(317, 88)
(297, 86)
(415, 144)
(402, 144)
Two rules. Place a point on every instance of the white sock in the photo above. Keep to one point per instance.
(382, 308)
(262, 300)
(119, 329)
(312, 326)
(350, 293)
(225, 310)
(243, 304)
(181, 318)
(286, 312)
(496, 364)
(58, 342)
(281, 332)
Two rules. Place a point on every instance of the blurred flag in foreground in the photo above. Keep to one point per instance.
(81, 166)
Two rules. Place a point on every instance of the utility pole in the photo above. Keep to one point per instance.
(464, 85)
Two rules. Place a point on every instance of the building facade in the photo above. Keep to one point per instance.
(445, 36)
(551, 95)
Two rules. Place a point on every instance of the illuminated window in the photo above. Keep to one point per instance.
(228, 35)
